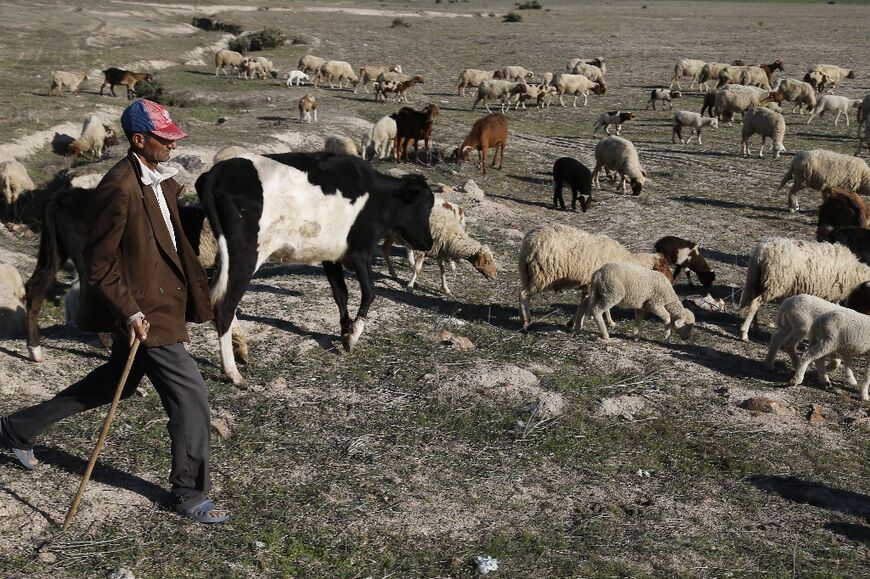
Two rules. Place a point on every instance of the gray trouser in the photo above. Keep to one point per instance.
(182, 392)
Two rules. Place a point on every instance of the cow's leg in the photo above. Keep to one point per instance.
(35, 290)
(242, 264)
(362, 264)
(335, 275)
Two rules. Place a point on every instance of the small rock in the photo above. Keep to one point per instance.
(816, 415)
(863, 423)
(259, 545)
(279, 383)
(442, 188)
(762, 404)
(450, 339)
(191, 163)
(643, 473)
(471, 188)
(221, 427)
(122, 574)
(46, 556)
(222, 120)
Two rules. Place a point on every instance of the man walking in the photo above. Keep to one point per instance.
(143, 281)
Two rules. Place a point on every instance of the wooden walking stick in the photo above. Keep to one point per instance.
(100, 441)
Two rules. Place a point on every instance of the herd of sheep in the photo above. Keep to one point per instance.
(810, 276)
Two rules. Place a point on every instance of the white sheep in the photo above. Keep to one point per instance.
(339, 70)
(797, 91)
(628, 285)
(820, 169)
(577, 84)
(662, 95)
(780, 268)
(597, 61)
(863, 124)
(14, 182)
(516, 73)
(709, 71)
(730, 74)
(754, 76)
(687, 67)
(693, 121)
(228, 152)
(251, 68)
(95, 136)
(737, 99)
(70, 80)
(12, 314)
(340, 145)
(590, 71)
(768, 124)
(224, 58)
(841, 333)
(450, 241)
(266, 65)
(834, 104)
(489, 90)
(617, 154)
(310, 64)
(370, 73)
(833, 72)
(549, 78)
(382, 139)
(557, 257)
(393, 238)
(298, 76)
(472, 77)
(794, 318)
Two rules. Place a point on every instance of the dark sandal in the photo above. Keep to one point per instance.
(201, 512)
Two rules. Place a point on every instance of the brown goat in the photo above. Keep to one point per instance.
(307, 105)
(116, 76)
(413, 125)
(489, 131)
(381, 89)
(769, 68)
(840, 208)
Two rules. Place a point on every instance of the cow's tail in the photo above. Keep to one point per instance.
(204, 187)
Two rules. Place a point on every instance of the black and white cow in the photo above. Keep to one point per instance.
(308, 208)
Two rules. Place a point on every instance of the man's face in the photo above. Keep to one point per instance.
(152, 148)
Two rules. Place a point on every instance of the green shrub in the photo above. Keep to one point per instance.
(265, 39)
(532, 5)
(400, 23)
(205, 23)
(513, 17)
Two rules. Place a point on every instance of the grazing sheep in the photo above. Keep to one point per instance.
(253, 68)
(336, 70)
(340, 145)
(663, 95)
(617, 154)
(755, 76)
(534, 92)
(224, 58)
(628, 285)
(548, 78)
(488, 132)
(693, 121)
(307, 106)
(833, 73)
(818, 80)
(577, 84)
(730, 74)
(612, 118)
(70, 80)
(767, 123)
(14, 182)
(709, 71)
(116, 76)
(578, 176)
(834, 104)
(590, 71)
(516, 73)
(683, 253)
(489, 90)
(557, 257)
(95, 136)
(12, 314)
(863, 124)
(840, 208)
(737, 99)
(382, 138)
(393, 238)
(310, 64)
(298, 76)
(820, 169)
(369, 74)
(780, 268)
(841, 333)
(687, 67)
(473, 77)
(596, 61)
(450, 241)
(802, 94)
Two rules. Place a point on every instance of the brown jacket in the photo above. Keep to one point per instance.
(132, 265)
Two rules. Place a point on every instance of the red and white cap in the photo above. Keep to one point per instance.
(144, 116)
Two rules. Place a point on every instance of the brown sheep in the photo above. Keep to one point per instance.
(116, 76)
(488, 132)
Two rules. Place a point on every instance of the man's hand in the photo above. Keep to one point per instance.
(138, 329)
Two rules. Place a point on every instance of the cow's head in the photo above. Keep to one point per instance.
(412, 219)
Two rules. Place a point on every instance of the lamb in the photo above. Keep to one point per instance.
(590, 71)
(95, 136)
(70, 80)
(840, 208)
(548, 79)
(833, 72)
(686, 254)
(259, 65)
(617, 154)
(382, 138)
(516, 73)
(577, 84)
(369, 74)
(709, 71)
(664, 95)
(767, 123)
(489, 90)
(340, 145)
(780, 268)
(819, 169)
(612, 118)
(488, 132)
(628, 285)
(687, 67)
(336, 70)
(534, 92)
(794, 318)
(597, 61)
(473, 77)
(802, 94)
(14, 182)
(817, 80)
(755, 76)
(116, 76)
(298, 76)
(451, 241)
(557, 257)
(691, 120)
(307, 106)
(737, 99)
(843, 333)
(12, 315)
(834, 104)
(310, 64)
(224, 58)
(400, 88)
(578, 176)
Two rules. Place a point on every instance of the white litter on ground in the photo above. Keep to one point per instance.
(486, 564)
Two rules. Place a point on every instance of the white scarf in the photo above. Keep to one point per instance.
(154, 178)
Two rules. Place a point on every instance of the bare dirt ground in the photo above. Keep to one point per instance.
(559, 455)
